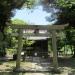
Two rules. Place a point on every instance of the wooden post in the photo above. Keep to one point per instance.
(54, 47)
(20, 45)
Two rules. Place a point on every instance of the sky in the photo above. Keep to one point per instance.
(39, 15)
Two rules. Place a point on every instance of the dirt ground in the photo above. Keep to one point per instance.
(66, 65)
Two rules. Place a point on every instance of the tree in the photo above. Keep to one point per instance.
(67, 15)
(18, 22)
(6, 11)
(6, 7)
(70, 35)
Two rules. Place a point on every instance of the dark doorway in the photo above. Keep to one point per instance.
(38, 49)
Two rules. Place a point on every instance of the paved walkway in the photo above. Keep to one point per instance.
(38, 64)
(32, 74)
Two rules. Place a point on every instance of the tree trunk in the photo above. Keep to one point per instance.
(2, 45)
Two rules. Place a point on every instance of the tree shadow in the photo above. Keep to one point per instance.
(1, 62)
(67, 62)
(11, 73)
(72, 73)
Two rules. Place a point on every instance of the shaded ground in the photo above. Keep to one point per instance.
(24, 73)
(67, 65)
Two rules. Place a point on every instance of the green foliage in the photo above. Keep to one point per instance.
(6, 8)
(70, 35)
(67, 15)
(65, 3)
(68, 11)
(60, 40)
(12, 41)
(18, 22)
(29, 4)
(27, 42)
(7, 30)
(6, 12)
(11, 51)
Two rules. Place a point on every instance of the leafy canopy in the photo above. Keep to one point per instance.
(6, 10)
(18, 22)
(67, 14)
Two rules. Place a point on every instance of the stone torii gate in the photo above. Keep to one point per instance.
(50, 28)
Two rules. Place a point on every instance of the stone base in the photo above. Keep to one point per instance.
(19, 70)
(56, 71)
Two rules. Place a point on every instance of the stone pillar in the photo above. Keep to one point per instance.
(20, 45)
(24, 51)
(54, 47)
